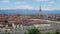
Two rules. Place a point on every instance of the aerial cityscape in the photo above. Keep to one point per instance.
(29, 17)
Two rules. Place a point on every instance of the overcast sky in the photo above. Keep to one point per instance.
(30, 4)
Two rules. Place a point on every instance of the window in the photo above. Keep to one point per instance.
(6, 21)
(58, 19)
(9, 25)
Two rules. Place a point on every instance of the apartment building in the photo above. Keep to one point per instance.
(53, 17)
(16, 19)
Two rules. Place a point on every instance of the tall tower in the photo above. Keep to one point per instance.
(40, 11)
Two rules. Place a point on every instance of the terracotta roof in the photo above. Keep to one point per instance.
(1, 27)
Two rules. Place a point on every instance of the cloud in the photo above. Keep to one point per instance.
(52, 2)
(7, 8)
(41, 0)
(5, 1)
(25, 7)
(20, 2)
(48, 8)
(58, 0)
(29, 7)
(20, 5)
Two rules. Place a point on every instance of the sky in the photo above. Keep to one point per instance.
(30, 4)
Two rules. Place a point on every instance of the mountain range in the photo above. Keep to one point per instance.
(29, 12)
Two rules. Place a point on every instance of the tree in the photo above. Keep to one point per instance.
(57, 32)
(25, 33)
(48, 33)
(33, 31)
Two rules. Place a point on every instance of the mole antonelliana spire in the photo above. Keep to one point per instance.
(40, 10)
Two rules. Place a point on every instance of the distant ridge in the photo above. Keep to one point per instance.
(18, 11)
(28, 12)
